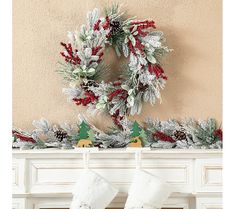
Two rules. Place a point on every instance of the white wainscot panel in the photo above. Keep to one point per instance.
(64, 202)
(176, 172)
(18, 203)
(209, 175)
(52, 175)
(209, 203)
(18, 175)
(15, 175)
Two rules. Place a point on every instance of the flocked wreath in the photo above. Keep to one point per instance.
(142, 77)
(141, 80)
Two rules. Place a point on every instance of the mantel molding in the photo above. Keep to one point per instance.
(119, 153)
(45, 178)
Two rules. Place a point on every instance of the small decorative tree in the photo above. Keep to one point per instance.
(135, 131)
(84, 137)
(83, 130)
(137, 136)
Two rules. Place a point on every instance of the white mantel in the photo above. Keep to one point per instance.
(45, 178)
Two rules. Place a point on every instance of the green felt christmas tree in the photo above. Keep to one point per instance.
(86, 135)
(143, 136)
(135, 131)
(91, 135)
(83, 131)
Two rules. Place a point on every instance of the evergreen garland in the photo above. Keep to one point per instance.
(187, 134)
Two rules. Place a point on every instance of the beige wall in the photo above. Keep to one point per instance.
(194, 69)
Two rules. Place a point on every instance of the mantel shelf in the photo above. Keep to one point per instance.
(119, 153)
(122, 150)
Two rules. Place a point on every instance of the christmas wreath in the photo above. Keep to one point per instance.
(142, 77)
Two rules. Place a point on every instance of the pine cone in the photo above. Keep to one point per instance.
(142, 87)
(115, 27)
(85, 86)
(180, 135)
(60, 135)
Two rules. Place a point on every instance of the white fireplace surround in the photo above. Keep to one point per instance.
(45, 178)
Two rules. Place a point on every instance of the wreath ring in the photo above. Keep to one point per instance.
(84, 66)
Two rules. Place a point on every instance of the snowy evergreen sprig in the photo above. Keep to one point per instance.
(184, 134)
(26, 140)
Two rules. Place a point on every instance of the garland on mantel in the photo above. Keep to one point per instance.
(187, 134)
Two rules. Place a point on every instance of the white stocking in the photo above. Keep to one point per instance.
(92, 192)
(147, 191)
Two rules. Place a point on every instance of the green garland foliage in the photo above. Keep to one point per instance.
(187, 134)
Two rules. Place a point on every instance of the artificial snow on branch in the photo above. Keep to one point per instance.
(186, 134)
(84, 68)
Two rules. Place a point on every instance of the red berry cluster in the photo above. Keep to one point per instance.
(23, 137)
(144, 24)
(218, 133)
(157, 71)
(138, 45)
(97, 25)
(163, 137)
(96, 50)
(122, 93)
(71, 55)
(116, 119)
(107, 23)
(105, 26)
(141, 25)
(89, 98)
(131, 47)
